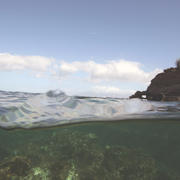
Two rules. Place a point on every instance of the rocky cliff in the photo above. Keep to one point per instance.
(164, 87)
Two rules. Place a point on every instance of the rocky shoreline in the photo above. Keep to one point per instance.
(164, 87)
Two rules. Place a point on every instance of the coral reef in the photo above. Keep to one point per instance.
(125, 163)
(14, 168)
(37, 173)
(74, 155)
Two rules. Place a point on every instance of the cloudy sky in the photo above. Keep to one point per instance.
(86, 47)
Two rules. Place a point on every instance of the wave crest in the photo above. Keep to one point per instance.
(57, 108)
(55, 93)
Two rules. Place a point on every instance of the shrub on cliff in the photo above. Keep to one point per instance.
(178, 63)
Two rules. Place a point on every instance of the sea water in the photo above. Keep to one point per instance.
(55, 136)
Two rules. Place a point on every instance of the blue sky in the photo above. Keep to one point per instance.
(69, 34)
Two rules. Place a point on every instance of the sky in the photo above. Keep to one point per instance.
(86, 47)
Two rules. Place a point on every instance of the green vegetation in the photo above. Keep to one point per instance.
(178, 63)
(66, 154)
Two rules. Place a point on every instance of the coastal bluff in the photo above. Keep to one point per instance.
(164, 87)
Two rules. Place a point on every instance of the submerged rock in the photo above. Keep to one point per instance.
(125, 164)
(75, 155)
(14, 168)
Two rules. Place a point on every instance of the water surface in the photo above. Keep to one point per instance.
(132, 140)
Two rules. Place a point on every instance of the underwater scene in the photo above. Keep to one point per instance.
(53, 136)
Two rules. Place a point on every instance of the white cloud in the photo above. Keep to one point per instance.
(121, 70)
(106, 74)
(111, 91)
(9, 62)
(101, 91)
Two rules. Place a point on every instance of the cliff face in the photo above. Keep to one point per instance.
(164, 87)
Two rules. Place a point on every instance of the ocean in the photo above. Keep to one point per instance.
(53, 136)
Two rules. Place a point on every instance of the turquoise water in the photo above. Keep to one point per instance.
(121, 150)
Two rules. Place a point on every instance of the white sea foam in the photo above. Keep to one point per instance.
(56, 108)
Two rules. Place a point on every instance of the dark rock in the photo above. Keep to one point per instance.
(164, 87)
(139, 94)
(13, 168)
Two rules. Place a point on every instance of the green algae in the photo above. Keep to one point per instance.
(72, 174)
(119, 151)
(37, 173)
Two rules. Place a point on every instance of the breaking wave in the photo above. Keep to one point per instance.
(27, 110)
